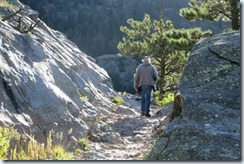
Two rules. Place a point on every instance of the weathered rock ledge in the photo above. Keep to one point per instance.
(207, 118)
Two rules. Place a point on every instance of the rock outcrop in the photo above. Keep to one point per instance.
(207, 117)
(121, 69)
(45, 80)
(47, 83)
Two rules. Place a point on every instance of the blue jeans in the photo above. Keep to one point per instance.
(146, 98)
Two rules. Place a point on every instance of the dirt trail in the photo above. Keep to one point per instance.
(136, 133)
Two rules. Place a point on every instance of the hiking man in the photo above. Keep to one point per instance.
(145, 80)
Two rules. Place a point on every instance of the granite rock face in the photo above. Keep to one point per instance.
(44, 78)
(206, 124)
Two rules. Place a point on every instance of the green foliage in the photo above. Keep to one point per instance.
(118, 100)
(84, 143)
(163, 99)
(165, 44)
(227, 10)
(59, 153)
(228, 30)
(6, 4)
(84, 98)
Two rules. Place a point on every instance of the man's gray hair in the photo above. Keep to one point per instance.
(146, 59)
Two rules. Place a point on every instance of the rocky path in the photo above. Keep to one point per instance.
(131, 137)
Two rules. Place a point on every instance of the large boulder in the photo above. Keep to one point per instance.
(206, 118)
(45, 80)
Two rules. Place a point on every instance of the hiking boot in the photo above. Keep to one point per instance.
(143, 113)
(147, 115)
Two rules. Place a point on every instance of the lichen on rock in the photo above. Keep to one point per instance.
(208, 127)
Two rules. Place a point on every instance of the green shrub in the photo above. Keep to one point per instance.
(84, 98)
(83, 143)
(118, 100)
(6, 3)
(59, 153)
(163, 99)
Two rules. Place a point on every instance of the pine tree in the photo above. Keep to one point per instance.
(166, 45)
(214, 10)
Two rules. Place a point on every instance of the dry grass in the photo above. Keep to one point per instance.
(25, 147)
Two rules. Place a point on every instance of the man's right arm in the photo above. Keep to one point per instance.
(136, 80)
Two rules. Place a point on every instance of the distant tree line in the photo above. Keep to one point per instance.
(94, 25)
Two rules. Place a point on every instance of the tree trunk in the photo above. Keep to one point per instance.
(235, 14)
(162, 75)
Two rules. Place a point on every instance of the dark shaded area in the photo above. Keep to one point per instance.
(94, 25)
(10, 94)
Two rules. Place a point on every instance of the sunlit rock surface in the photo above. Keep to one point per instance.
(47, 82)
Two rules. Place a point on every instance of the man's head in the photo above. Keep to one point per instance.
(146, 59)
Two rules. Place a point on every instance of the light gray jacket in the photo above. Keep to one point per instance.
(146, 74)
